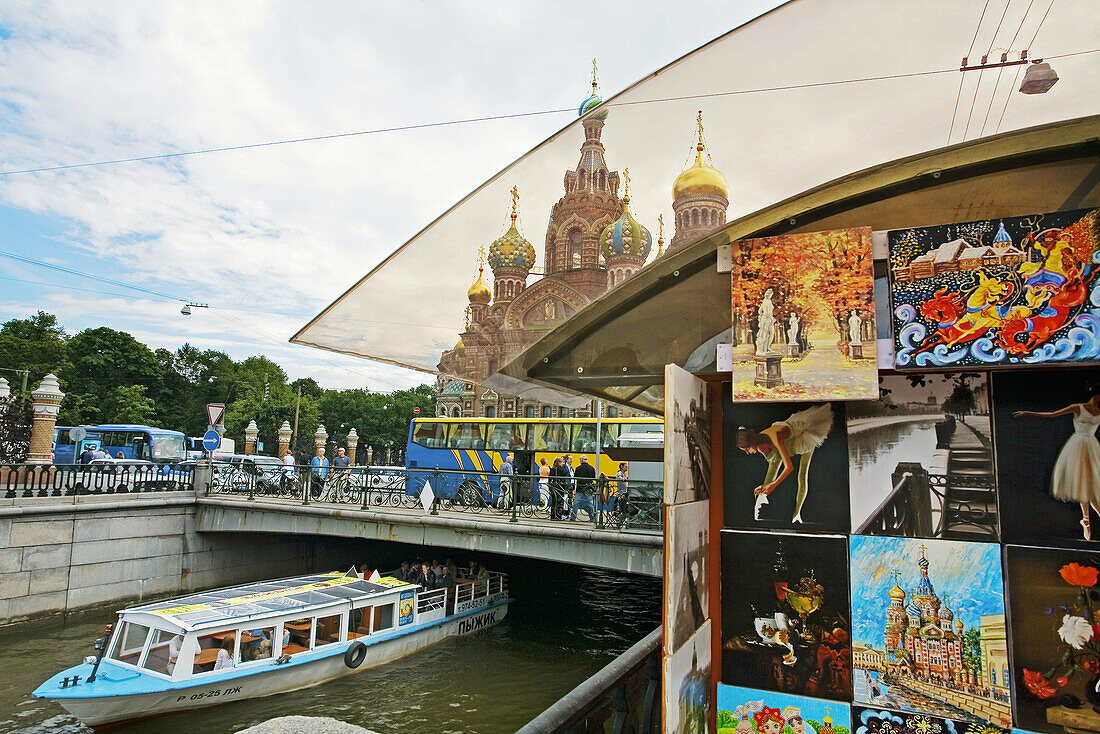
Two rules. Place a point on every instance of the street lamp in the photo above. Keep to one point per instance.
(186, 310)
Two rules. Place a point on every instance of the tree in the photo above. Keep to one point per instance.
(972, 650)
(309, 387)
(37, 344)
(961, 402)
(726, 720)
(128, 404)
(101, 359)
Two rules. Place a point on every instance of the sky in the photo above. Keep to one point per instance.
(269, 236)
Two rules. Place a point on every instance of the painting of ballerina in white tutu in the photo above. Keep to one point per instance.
(1049, 455)
(787, 467)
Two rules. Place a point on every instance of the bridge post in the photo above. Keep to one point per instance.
(353, 444)
(435, 498)
(47, 404)
(284, 439)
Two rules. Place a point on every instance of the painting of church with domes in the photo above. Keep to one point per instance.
(594, 241)
(928, 628)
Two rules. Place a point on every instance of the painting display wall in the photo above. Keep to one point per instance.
(1014, 291)
(687, 437)
(804, 317)
(786, 466)
(785, 625)
(935, 429)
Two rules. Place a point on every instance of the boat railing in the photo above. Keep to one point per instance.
(495, 584)
(428, 601)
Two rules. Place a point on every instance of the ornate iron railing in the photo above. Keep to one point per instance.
(22, 481)
(635, 505)
(626, 694)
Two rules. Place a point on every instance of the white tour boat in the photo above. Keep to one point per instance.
(264, 638)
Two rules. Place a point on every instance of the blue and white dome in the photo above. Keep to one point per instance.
(626, 236)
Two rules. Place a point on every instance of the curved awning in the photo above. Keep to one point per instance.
(677, 309)
(806, 93)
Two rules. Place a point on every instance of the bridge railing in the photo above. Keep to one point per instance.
(604, 502)
(20, 481)
(625, 694)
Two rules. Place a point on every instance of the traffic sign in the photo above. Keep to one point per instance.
(76, 435)
(416, 410)
(215, 413)
(211, 440)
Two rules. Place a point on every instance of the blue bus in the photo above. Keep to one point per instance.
(132, 441)
(474, 446)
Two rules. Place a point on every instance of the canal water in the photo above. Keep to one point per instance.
(567, 623)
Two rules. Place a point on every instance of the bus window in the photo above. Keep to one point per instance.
(584, 438)
(507, 436)
(467, 436)
(550, 437)
(609, 435)
(430, 434)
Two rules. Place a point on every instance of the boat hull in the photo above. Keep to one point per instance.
(269, 680)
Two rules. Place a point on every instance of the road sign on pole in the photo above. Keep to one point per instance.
(215, 413)
(416, 410)
(211, 440)
(77, 434)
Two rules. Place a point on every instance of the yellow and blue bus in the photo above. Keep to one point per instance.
(476, 447)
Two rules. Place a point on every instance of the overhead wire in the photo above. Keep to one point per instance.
(1017, 76)
(978, 85)
(962, 77)
(1001, 69)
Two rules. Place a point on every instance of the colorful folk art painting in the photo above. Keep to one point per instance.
(1054, 603)
(686, 679)
(804, 317)
(687, 572)
(786, 466)
(883, 721)
(750, 711)
(928, 628)
(785, 625)
(1048, 456)
(1015, 291)
(921, 458)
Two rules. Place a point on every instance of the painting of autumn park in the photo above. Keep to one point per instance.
(804, 317)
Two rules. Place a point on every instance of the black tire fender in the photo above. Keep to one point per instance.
(355, 654)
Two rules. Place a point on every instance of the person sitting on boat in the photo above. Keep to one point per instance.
(451, 567)
(402, 573)
(474, 569)
(482, 574)
(445, 580)
(426, 578)
(225, 653)
(173, 653)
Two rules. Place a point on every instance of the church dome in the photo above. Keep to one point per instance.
(626, 236)
(479, 292)
(593, 100)
(700, 179)
(897, 593)
(460, 346)
(946, 615)
(512, 250)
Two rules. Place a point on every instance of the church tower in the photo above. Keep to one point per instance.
(624, 244)
(896, 617)
(590, 204)
(700, 197)
(511, 256)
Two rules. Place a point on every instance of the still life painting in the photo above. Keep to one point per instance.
(785, 625)
(1013, 291)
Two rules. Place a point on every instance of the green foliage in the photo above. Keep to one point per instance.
(16, 416)
(36, 344)
(110, 377)
(972, 649)
(726, 720)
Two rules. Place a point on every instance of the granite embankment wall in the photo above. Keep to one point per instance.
(69, 553)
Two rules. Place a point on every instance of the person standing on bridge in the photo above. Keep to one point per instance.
(582, 498)
(506, 472)
(320, 467)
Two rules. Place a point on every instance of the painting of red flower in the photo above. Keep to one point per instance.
(1038, 685)
(1077, 575)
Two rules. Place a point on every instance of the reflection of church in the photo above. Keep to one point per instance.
(926, 630)
(593, 243)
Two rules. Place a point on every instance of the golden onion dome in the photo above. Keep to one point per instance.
(700, 179)
(460, 346)
(897, 593)
(479, 292)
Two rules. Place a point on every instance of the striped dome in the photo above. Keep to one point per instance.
(512, 250)
(626, 236)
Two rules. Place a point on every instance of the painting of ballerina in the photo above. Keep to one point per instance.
(804, 317)
(1014, 291)
(786, 466)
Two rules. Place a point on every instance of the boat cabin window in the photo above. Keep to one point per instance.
(359, 622)
(162, 651)
(300, 633)
(383, 617)
(329, 629)
(129, 643)
(257, 643)
(211, 646)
